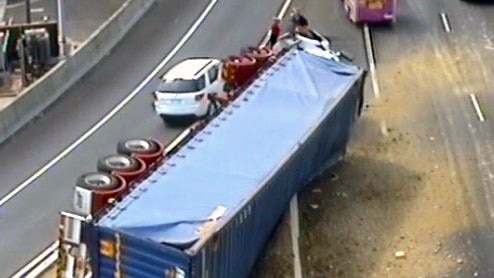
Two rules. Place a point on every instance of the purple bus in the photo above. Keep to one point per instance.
(371, 11)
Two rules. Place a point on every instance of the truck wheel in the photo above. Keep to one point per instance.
(137, 146)
(97, 181)
(117, 162)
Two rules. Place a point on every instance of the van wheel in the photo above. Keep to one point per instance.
(170, 121)
(97, 181)
(137, 146)
(117, 162)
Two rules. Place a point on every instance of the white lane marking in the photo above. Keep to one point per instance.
(52, 258)
(476, 105)
(49, 256)
(384, 128)
(115, 110)
(39, 264)
(284, 8)
(294, 217)
(371, 60)
(46, 262)
(445, 22)
(37, 10)
(295, 233)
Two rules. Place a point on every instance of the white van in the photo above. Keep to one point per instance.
(184, 89)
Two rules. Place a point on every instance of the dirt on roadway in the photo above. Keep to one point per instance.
(50, 273)
(394, 208)
(397, 207)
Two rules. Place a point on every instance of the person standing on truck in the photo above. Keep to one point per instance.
(275, 32)
(298, 22)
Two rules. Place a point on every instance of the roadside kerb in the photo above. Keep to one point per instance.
(44, 91)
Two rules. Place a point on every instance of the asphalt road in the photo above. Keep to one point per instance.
(456, 55)
(81, 18)
(415, 56)
(28, 221)
(328, 18)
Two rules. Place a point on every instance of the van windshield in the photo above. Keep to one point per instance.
(182, 85)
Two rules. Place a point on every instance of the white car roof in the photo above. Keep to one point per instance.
(188, 69)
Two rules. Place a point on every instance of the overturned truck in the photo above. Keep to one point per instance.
(205, 206)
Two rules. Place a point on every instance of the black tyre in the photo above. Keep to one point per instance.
(97, 181)
(137, 146)
(170, 121)
(117, 162)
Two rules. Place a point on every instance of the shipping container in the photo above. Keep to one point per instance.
(209, 209)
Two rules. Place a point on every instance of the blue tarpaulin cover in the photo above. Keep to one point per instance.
(237, 153)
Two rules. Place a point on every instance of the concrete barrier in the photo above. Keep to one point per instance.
(39, 95)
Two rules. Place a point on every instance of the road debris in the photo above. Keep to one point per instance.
(316, 190)
(438, 248)
(314, 206)
(400, 255)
